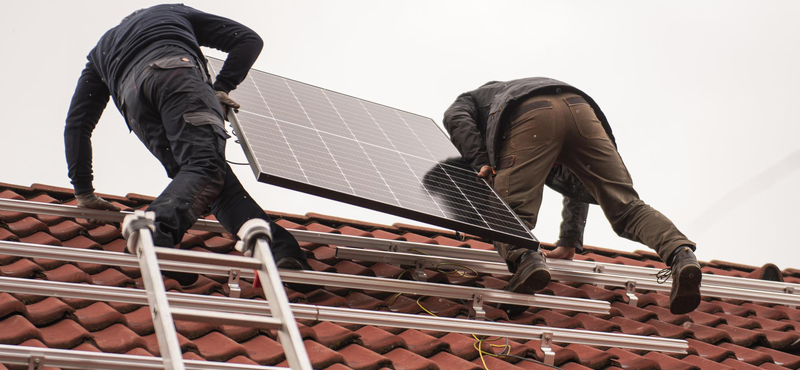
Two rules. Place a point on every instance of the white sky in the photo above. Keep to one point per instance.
(700, 95)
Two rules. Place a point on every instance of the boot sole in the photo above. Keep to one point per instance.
(686, 296)
(536, 280)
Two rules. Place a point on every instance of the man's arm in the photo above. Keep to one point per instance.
(242, 44)
(573, 223)
(88, 102)
(460, 122)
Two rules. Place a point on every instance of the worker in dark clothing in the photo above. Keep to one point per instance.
(152, 66)
(533, 131)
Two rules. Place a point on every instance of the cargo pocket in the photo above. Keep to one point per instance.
(206, 118)
(586, 120)
(172, 62)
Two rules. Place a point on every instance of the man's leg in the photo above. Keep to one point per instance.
(532, 140)
(234, 206)
(592, 156)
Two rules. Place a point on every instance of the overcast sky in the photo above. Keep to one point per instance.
(701, 96)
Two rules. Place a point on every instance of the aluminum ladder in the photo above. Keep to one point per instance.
(255, 236)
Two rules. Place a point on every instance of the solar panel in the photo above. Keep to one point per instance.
(328, 144)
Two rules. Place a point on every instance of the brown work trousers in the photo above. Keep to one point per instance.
(562, 128)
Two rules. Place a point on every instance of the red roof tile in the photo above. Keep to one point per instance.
(403, 359)
(264, 351)
(360, 358)
(47, 311)
(64, 334)
(748, 355)
(217, 347)
(447, 361)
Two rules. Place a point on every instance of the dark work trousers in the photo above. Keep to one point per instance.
(170, 105)
(563, 128)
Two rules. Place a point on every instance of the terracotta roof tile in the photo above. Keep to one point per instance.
(666, 316)
(747, 355)
(218, 244)
(667, 330)
(669, 363)
(264, 350)
(634, 327)
(386, 270)
(407, 360)
(41, 237)
(599, 294)
(151, 345)
(351, 268)
(217, 347)
(7, 235)
(333, 336)
(781, 358)
(450, 242)
(447, 361)
(23, 268)
(444, 307)
(47, 311)
(140, 321)
(779, 339)
(66, 230)
(562, 290)
(734, 309)
(738, 321)
(709, 351)
(68, 273)
(423, 344)
(628, 360)
(117, 338)
(380, 341)
(783, 325)
(26, 226)
(742, 337)
(98, 316)
(104, 234)
(64, 334)
(592, 357)
(190, 241)
(708, 334)
(495, 364)
(17, 329)
(239, 333)
(416, 238)
(771, 366)
(555, 319)
(766, 312)
(364, 302)
(634, 313)
(592, 323)
(10, 305)
(360, 358)
(383, 234)
(703, 363)
(477, 244)
(193, 329)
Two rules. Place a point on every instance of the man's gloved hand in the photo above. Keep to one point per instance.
(90, 200)
(487, 172)
(227, 103)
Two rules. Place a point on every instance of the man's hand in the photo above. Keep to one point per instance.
(487, 172)
(90, 200)
(227, 103)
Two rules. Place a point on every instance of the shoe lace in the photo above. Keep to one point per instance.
(663, 275)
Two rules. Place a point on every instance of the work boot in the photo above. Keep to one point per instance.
(686, 275)
(532, 275)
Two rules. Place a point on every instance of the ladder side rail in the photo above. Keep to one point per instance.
(140, 239)
(255, 235)
(349, 315)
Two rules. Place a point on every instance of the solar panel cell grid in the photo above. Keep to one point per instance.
(326, 143)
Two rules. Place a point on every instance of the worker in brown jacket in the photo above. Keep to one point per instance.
(528, 132)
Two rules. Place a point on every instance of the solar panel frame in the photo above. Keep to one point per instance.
(459, 213)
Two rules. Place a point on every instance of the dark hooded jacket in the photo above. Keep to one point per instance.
(475, 121)
(124, 45)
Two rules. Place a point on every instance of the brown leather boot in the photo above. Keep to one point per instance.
(686, 275)
(532, 275)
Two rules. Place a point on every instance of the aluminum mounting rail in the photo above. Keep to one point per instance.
(558, 271)
(37, 358)
(346, 315)
(222, 265)
(587, 271)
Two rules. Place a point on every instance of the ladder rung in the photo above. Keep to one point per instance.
(217, 259)
(226, 318)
